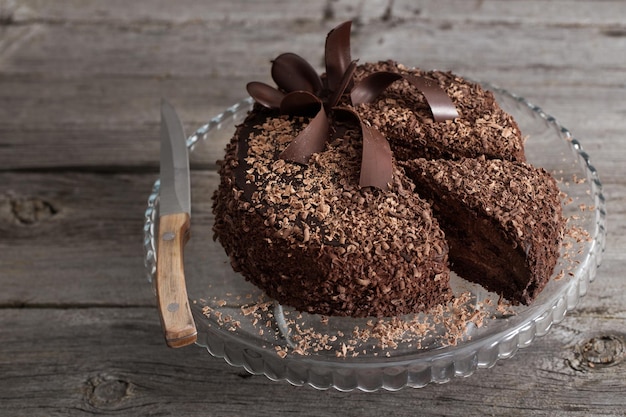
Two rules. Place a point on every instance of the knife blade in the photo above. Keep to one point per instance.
(174, 216)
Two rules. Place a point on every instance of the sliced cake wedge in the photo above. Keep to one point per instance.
(503, 220)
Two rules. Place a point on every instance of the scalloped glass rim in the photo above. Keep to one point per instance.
(421, 367)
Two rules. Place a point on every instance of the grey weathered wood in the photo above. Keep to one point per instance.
(80, 84)
(551, 63)
(113, 361)
(86, 247)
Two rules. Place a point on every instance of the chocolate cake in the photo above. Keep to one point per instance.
(502, 220)
(315, 207)
(313, 239)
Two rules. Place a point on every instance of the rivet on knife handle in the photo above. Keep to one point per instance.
(176, 318)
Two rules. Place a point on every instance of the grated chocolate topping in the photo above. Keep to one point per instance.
(403, 116)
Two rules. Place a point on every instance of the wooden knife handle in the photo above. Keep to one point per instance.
(176, 319)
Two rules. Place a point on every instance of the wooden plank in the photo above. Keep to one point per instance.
(106, 96)
(76, 239)
(182, 12)
(114, 361)
(197, 50)
(556, 12)
(59, 249)
(114, 136)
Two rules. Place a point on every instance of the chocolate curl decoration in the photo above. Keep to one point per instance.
(301, 92)
(313, 137)
(337, 55)
(311, 140)
(291, 72)
(376, 160)
(343, 85)
(294, 75)
(370, 87)
(339, 73)
(300, 89)
(265, 95)
(441, 105)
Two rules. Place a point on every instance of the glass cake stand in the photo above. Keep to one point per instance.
(237, 322)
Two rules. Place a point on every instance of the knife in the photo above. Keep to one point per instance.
(174, 214)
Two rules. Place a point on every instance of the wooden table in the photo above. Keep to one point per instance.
(80, 86)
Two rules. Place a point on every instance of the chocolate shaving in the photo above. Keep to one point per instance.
(374, 84)
(376, 159)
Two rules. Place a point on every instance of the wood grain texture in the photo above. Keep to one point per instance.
(80, 86)
(113, 361)
(86, 248)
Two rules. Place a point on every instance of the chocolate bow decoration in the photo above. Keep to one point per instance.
(302, 92)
